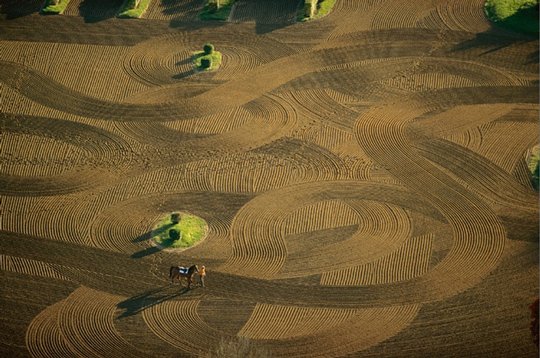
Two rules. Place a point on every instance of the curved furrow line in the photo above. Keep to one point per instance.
(480, 175)
(167, 59)
(518, 131)
(237, 60)
(70, 182)
(478, 234)
(245, 86)
(30, 267)
(409, 261)
(398, 14)
(157, 134)
(348, 16)
(86, 320)
(277, 322)
(265, 13)
(316, 104)
(465, 16)
(72, 143)
(114, 230)
(364, 329)
(42, 89)
(224, 315)
(96, 74)
(173, 11)
(249, 173)
(432, 20)
(315, 217)
(259, 246)
(471, 139)
(178, 324)
(44, 337)
(314, 158)
(244, 128)
(43, 158)
(380, 230)
(511, 96)
(458, 119)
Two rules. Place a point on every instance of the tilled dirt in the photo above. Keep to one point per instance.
(362, 175)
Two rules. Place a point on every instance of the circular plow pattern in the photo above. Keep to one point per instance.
(363, 177)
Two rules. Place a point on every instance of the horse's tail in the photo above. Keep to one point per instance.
(170, 271)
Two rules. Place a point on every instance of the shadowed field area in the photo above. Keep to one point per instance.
(363, 177)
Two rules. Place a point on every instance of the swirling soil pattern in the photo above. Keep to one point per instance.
(363, 176)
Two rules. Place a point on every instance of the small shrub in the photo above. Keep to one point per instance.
(174, 234)
(208, 48)
(206, 63)
(54, 6)
(175, 218)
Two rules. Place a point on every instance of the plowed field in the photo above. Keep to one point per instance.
(363, 177)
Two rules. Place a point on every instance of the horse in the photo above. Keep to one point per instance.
(177, 272)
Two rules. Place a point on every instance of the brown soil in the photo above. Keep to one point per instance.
(363, 178)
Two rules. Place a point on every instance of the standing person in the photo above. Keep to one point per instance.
(202, 273)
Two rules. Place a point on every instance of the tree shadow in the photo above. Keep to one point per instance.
(494, 40)
(12, 9)
(185, 74)
(140, 302)
(187, 9)
(99, 10)
(148, 235)
(522, 27)
(283, 13)
(146, 252)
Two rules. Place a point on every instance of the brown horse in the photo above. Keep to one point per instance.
(178, 272)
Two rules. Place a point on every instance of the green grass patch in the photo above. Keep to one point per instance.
(324, 7)
(214, 57)
(191, 228)
(517, 15)
(534, 166)
(50, 8)
(129, 10)
(211, 12)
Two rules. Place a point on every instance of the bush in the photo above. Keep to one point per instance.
(212, 12)
(315, 9)
(54, 6)
(174, 234)
(208, 48)
(133, 8)
(517, 15)
(175, 218)
(206, 63)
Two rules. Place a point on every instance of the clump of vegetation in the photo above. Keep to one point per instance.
(174, 234)
(518, 15)
(533, 162)
(133, 8)
(208, 59)
(181, 234)
(217, 10)
(315, 9)
(54, 6)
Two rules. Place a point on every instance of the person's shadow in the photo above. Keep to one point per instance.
(140, 302)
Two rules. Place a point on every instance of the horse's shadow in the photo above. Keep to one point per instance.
(140, 302)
